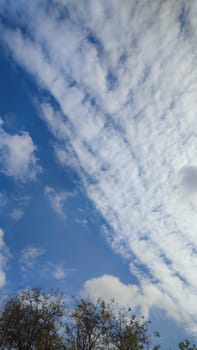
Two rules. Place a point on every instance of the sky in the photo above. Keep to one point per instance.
(98, 153)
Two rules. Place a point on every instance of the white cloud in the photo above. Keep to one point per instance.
(29, 257)
(81, 221)
(125, 83)
(58, 199)
(24, 199)
(17, 155)
(59, 272)
(140, 298)
(17, 214)
(4, 254)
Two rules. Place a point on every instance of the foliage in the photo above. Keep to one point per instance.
(103, 325)
(35, 320)
(86, 327)
(185, 345)
(31, 320)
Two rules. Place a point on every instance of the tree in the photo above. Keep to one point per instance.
(127, 332)
(35, 320)
(32, 320)
(185, 345)
(101, 326)
(86, 325)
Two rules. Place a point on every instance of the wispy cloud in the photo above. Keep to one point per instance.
(59, 272)
(58, 200)
(4, 257)
(81, 221)
(17, 214)
(29, 258)
(33, 262)
(17, 155)
(124, 77)
(55, 271)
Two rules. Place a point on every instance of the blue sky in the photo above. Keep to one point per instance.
(98, 167)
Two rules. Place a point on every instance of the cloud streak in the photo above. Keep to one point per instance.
(124, 78)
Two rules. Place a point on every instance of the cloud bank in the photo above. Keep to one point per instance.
(123, 76)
